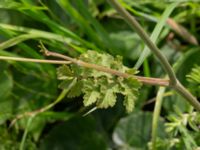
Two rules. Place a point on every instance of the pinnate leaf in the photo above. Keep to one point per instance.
(98, 87)
(194, 80)
(91, 97)
(76, 90)
(64, 84)
(129, 88)
(64, 72)
(108, 100)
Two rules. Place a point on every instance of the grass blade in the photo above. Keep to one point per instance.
(158, 28)
(34, 33)
(96, 25)
(83, 23)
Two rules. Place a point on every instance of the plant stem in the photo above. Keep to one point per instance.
(144, 80)
(22, 144)
(156, 114)
(34, 60)
(173, 82)
(144, 36)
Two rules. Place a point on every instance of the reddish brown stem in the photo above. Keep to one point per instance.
(144, 80)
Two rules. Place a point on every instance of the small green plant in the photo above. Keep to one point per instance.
(182, 131)
(100, 87)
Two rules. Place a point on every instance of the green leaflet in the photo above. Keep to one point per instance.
(108, 100)
(91, 97)
(194, 80)
(128, 89)
(98, 87)
(64, 72)
(194, 76)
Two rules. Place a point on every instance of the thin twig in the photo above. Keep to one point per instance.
(34, 60)
(152, 100)
(144, 80)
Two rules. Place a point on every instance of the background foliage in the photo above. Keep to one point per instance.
(71, 27)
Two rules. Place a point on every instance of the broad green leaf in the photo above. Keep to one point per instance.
(6, 110)
(79, 133)
(129, 46)
(6, 84)
(134, 131)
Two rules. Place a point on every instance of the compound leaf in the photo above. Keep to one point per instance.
(76, 90)
(64, 72)
(91, 97)
(64, 84)
(100, 87)
(129, 88)
(109, 99)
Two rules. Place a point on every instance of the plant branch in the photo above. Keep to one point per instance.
(34, 60)
(173, 82)
(144, 80)
(144, 36)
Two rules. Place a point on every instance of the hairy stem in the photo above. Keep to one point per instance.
(144, 36)
(144, 80)
(174, 83)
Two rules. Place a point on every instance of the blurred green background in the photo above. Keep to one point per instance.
(72, 27)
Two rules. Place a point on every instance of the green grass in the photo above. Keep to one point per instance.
(31, 90)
